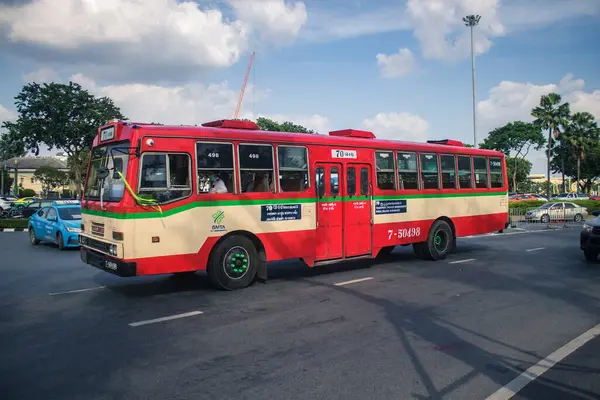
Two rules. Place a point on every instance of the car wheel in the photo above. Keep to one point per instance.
(60, 241)
(590, 255)
(32, 239)
(545, 219)
(578, 218)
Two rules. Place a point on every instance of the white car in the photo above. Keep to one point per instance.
(573, 196)
(557, 211)
(6, 202)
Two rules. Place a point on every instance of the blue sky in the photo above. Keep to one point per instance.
(399, 68)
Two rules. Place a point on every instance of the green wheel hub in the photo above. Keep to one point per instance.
(236, 262)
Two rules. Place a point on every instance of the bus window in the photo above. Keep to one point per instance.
(384, 162)
(448, 164)
(293, 168)
(408, 174)
(481, 172)
(429, 171)
(334, 181)
(364, 182)
(496, 172)
(165, 177)
(215, 167)
(351, 181)
(256, 168)
(320, 181)
(464, 172)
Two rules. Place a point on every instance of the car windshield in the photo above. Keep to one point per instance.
(114, 157)
(69, 213)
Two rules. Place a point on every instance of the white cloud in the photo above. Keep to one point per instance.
(441, 32)
(396, 65)
(6, 114)
(511, 101)
(275, 20)
(42, 75)
(397, 126)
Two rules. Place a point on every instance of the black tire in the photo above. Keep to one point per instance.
(60, 241)
(32, 239)
(385, 252)
(440, 241)
(227, 277)
(578, 218)
(591, 256)
(545, 219)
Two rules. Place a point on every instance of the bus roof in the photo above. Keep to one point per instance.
(248, 131)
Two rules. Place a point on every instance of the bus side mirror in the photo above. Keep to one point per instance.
(102, 173)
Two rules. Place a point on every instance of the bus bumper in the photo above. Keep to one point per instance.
(107, 263)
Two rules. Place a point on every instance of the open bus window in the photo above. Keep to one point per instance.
(429, 171)
(464, 172)
(448, 171)
(215, 167)
(496, 172)
(408, 173)
(165, 177)
(293, 168)
(256, 168)
(481, 172)
(384, 162)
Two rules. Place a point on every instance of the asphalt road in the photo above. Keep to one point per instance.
(456, 329)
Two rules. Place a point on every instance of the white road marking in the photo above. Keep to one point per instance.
(76, 291)
(536, 249)
(169, 318)
(461, 261)
(535, 371)
(354, 281)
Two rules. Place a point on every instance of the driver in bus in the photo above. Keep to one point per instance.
(217, 184)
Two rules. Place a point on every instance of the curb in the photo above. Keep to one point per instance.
(13, 230)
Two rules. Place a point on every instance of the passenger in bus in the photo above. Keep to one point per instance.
(217, 184)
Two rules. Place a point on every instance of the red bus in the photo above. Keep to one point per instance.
(227, 198)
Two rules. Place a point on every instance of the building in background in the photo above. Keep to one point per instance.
(26, 167)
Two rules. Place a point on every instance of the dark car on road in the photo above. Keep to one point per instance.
(590, 239)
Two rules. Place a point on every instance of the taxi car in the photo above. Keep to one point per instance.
(589, 239)
(58, 223)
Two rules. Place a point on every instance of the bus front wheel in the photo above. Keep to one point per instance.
(233, 263)
(440, 242)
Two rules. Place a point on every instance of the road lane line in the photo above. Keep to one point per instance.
(169, 318)
(76, 291)
(353, 281)
(536, 249)
(461, 261)
(535, 371)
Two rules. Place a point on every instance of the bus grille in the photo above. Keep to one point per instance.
(98, 245)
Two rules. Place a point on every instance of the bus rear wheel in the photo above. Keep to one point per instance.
(233, 263)
(440, 242)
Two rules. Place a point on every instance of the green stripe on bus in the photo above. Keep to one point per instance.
(225, 203)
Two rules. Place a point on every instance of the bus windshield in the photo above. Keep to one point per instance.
(103, 156)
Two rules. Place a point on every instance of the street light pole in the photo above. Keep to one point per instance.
(471, 21)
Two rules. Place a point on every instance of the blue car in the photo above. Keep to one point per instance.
(58, 223)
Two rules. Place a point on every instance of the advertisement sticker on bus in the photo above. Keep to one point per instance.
(343, 153)
(107, 133)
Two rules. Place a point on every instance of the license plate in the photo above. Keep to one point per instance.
(110, 265)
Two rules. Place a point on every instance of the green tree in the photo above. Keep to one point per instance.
(267, 124)
(589, 167)
(517, 137)
(517, 169)
(62, 116)
(581, 134)
(11, 145)
(551, 115)
(8, 180)
(50, 178)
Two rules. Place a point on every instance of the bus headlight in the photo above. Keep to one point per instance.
(112, 250)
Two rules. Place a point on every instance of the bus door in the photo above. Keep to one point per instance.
(357, 210)
(328, 184)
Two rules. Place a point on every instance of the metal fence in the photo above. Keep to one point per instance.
(552, 218)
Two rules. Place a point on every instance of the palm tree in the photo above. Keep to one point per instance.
(580, 135)
(551, 115)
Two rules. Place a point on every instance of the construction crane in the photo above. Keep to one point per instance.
(239, 103)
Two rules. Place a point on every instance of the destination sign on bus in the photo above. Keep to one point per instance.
(390, 206)
(280, 212)
(343, 153)
(107, 133)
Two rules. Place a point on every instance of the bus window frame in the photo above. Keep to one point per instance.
(233, 158)
(418, 171)
(472, 173)
(168, 175)
(453, 155)
(489, 164)
(308, 185)
(239, 167)
(394, 170)
(487, 168)
(439, 183)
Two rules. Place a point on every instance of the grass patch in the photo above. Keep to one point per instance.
(20, 223)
